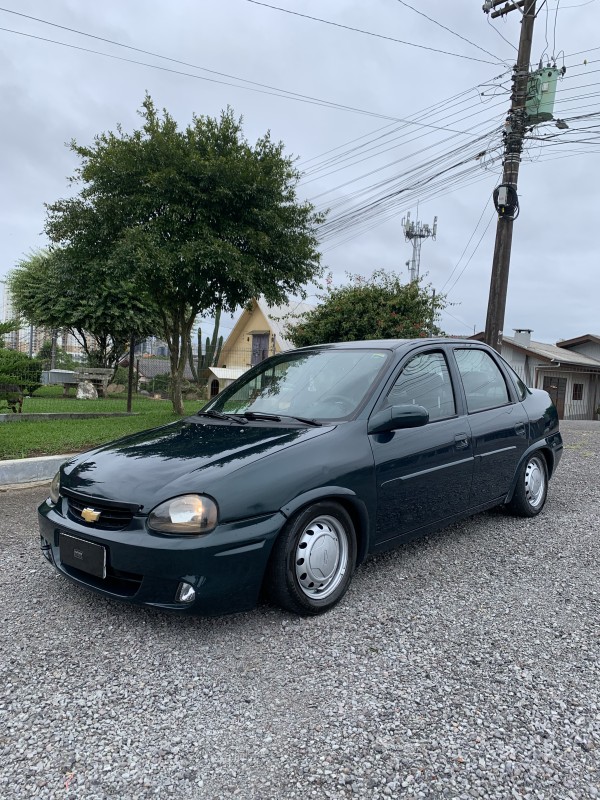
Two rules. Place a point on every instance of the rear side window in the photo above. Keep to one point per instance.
(519, 385)
(482, 379)
(425, 381)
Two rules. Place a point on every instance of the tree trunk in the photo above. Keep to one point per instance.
(53, 352)
(177, 334)
(215, 337)
(191, 359)
(130, 375)
(176, 373)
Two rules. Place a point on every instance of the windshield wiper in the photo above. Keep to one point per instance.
(259, 415)
(218, 415)
(306, 420)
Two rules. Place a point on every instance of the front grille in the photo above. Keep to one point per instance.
(111, 517)
(125, 584)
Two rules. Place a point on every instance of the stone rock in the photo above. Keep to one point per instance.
(86, 391)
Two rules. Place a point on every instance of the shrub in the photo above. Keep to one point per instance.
(19, 368)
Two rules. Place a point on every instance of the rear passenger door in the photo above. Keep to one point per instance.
(498, 423)
(423, 474)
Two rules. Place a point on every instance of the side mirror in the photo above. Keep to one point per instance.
(397, 417)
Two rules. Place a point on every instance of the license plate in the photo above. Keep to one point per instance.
(86, 556)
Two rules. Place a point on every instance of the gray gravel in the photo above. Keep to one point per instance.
(465, 665)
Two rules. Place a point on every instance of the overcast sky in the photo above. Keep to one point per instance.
(417, 111)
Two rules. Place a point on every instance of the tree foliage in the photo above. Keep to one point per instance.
(378, 308)
(198, 219)
(62, 359)
(20, 369)
(7, 327)
(91, 298)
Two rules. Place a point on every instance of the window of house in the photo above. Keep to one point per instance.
(578, 391)
(214, 387)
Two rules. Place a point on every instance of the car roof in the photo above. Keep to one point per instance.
(388, 344)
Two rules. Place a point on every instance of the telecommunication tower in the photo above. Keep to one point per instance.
(415, 232)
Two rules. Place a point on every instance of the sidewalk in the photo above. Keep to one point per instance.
(29, 471)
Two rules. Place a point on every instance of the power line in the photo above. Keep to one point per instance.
(254, 86)
(461, 321)
(454, 33)
(501, 35)
(421, 180)
(370, 33)
(382, 143)
(436, 107)
(434, 192)
(579, 5)
(475, 148)
(555, 21)
(283, 93)
(473, 253)
(471, 237)
(437, 160)
(580, 52)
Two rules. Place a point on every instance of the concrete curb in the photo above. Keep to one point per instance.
(67, 415)
(20, 471)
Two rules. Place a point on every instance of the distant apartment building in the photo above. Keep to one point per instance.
(152, 346)
(30, 338)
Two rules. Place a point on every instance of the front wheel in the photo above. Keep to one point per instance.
(313, 559)
(532, 487)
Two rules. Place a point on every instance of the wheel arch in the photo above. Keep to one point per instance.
(537, 449)
(352, 504)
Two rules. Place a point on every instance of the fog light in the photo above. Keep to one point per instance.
(185, 593)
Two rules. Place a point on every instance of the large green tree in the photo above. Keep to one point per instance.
(93, 299)
(198, 219)
(381, 307)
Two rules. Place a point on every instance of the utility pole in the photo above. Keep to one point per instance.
(415, 232)
(505, 196)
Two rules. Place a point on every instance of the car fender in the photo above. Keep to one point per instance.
(349, 499)
(537, 446)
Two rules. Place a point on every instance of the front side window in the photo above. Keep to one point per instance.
(320, 384)
(425, 381)
(482, 379)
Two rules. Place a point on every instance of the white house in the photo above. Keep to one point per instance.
(568, 370)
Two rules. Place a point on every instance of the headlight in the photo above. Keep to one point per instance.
(189, 514)
(55, 488)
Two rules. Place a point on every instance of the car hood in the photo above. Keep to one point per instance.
(186, 456)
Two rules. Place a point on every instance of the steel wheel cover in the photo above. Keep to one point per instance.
(321, 557)
(535, 482)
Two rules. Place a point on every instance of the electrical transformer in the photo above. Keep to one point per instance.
(541, 91)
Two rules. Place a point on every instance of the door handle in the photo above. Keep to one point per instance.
(520, 429)
(461, 441)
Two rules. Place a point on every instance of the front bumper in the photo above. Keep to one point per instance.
(225, 567)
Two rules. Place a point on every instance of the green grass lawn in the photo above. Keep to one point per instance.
(51, 437)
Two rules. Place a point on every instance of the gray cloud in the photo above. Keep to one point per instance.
(50, 94)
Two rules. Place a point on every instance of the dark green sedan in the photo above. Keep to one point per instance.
(287, 480)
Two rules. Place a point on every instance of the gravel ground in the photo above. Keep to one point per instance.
(465, 665)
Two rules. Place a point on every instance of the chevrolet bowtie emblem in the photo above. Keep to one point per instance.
(90, 515)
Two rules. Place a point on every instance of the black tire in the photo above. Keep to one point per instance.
(313, 560)
(531, 490)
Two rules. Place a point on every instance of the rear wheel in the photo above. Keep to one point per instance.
(532, 487)
(313, 559)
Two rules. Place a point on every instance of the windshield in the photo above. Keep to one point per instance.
(321, 384)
